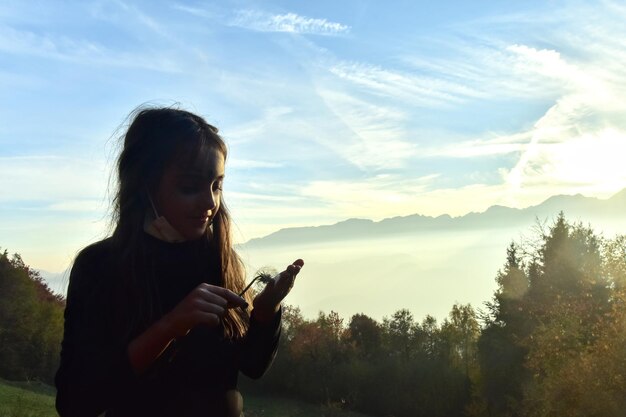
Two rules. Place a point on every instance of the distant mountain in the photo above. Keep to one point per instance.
(575, 207)
(57, 281)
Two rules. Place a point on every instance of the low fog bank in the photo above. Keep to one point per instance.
(424, 272)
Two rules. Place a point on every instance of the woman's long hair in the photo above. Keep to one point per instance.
(155, 139)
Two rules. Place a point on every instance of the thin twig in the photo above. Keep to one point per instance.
(262, 276)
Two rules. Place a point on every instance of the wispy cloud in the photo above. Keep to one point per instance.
(261, 197)
(368, 135)
(117, 11)
(575, 141)
(50, 178)
(415, 89)
(83, 205)
(80, 51)
(289, 22)
(571, 148)
(478, 148)
(269, 120)
(196, 11)
(250, 164)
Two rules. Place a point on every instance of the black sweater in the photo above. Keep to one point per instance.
(191, 378)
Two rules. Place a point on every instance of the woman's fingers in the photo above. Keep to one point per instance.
(285, 281)
(266, 302)
(295, 267)
(210, 319)
(205, 304)
(207, 307)
(289, 274)
(222, 296)
(211, 297)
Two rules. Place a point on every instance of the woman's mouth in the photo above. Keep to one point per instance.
(200, 220)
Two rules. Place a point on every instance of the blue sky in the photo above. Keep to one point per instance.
(331, 110)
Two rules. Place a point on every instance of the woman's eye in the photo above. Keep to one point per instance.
(198, 188)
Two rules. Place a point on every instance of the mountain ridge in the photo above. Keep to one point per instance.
(494, 216)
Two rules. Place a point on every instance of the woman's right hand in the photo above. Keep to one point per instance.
(206, 304)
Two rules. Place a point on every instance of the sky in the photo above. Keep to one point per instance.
(331, 110)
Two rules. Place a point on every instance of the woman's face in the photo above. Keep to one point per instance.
(189, 196)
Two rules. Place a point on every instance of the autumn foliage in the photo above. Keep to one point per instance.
(31, 323)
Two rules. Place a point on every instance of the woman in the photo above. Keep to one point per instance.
(154, 324)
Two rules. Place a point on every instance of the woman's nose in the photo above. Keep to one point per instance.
(210, 199)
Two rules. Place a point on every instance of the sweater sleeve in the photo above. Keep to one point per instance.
(94, 368)
(257, 349)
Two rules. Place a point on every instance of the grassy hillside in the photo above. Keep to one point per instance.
(282, 407)
(23, 399)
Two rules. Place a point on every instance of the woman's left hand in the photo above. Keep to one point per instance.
(267, 302)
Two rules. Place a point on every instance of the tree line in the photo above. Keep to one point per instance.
(31, 323)
(551, 342)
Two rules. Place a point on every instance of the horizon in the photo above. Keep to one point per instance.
(331, 111)
(441, 214)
